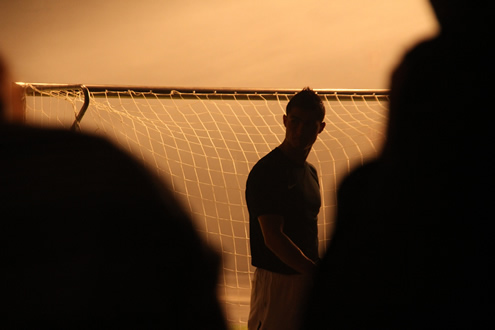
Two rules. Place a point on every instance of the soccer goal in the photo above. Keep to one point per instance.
(203, 142)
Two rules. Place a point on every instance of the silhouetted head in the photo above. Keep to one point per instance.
(303, 122)
(307, 100)
(461, 14)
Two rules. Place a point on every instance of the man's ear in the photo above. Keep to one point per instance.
(285, 120)
(322, 126)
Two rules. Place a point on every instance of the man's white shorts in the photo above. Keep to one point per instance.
(277, 300)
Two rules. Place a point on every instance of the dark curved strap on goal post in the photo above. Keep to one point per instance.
(83, 109)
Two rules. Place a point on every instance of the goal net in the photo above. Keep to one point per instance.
(204, 142)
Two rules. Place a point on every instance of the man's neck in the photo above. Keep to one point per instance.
(296, 155)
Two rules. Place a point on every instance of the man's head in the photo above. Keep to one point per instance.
(303, 120)
(307, 100)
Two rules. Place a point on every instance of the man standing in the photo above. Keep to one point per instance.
(283, 199)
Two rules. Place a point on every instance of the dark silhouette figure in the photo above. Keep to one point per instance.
(283, 199)
(90, 239)
(413, 244)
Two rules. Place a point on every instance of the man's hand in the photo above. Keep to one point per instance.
(282, 246)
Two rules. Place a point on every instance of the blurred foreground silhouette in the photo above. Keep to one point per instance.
(413, 245)
(90, 239)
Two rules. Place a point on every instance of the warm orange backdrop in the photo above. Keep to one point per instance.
(213, 43)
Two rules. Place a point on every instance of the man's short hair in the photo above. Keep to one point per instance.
(307, 99)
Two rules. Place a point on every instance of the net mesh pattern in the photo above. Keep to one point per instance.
(204, 144)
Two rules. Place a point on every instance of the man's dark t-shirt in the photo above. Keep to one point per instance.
(276, 185)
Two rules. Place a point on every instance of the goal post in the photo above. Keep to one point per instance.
(204, 141)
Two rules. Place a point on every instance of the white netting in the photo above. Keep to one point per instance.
(204, 144)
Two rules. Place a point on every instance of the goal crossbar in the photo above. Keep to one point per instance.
(198, 91)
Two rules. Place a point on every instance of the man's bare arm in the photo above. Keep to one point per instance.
(282, 246)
